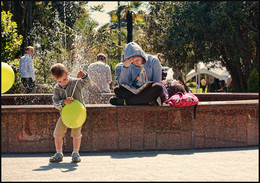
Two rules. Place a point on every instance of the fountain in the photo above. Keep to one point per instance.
(28, 120)
(230, 120)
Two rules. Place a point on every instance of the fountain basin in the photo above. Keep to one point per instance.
(218, 124)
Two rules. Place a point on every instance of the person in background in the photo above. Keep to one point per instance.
(118, 70)
(159, 55)
(100, 73)
(223, 86)
(203, 84)
(65, 91)
(26, 69)
(229, 82)
(215, 86)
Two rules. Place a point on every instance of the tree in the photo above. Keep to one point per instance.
(208, 31)
(10, 44)
(156, 28)
(11, 40)
(48, 27)
(126, 15)
(21, 11)
(27, 13)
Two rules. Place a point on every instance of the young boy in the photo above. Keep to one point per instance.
(62, 95)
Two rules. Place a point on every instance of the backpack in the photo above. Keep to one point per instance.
(183, 100)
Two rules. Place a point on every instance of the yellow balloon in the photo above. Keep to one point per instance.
(74, 115)
(7, 77)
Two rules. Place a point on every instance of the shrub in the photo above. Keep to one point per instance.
(10, 45)
(191, 84)
(11, 41)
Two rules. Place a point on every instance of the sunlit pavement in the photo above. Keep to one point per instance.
(225, 164)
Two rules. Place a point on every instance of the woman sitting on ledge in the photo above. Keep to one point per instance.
(139, 69)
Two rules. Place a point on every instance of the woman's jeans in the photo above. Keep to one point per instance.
(143, 98)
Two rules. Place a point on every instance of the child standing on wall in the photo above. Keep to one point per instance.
(63, 91)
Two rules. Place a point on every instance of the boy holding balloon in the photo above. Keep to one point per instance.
(66, 91)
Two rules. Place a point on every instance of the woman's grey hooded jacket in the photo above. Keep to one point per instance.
(152, 66)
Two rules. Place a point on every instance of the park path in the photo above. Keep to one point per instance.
(225, 164)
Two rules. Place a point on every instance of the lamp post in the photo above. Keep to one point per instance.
(197, 71)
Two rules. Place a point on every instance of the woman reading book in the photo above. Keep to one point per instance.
(140, 80)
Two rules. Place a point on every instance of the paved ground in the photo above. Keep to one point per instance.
(225, 164)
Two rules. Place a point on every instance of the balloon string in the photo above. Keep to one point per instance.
(74, 87)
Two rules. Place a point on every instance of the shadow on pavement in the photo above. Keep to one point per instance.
(131, 154)
(140, 154)
(65, 167)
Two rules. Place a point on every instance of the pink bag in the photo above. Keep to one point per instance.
(183, 100)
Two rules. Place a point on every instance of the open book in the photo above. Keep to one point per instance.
(137, 90)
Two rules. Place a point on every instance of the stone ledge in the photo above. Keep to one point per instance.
(28, 129)
(46, 99)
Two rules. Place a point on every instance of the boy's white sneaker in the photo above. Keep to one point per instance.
(58, 157)
(75, 158)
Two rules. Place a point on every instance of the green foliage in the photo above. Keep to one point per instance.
(199, 90)
(72, 11)
(10, 45)
(193, 31)
(112, 63)
(11, 41)
(98, 8)
(253, 81)
(42, 73)
(191, 84)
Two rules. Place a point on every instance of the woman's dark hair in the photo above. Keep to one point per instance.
(174, 88)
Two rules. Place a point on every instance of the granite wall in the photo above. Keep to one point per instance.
(29, 128)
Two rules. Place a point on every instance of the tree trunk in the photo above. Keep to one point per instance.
(257, 56)
(176, 73)
(129, 20)
(119, 23)
(25, 21)
(238, 83)
(17, 9)
(29, 19)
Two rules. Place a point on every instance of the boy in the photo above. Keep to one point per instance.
(62, 95)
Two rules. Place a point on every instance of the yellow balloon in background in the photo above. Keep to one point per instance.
(7, 77)
(74, 115)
